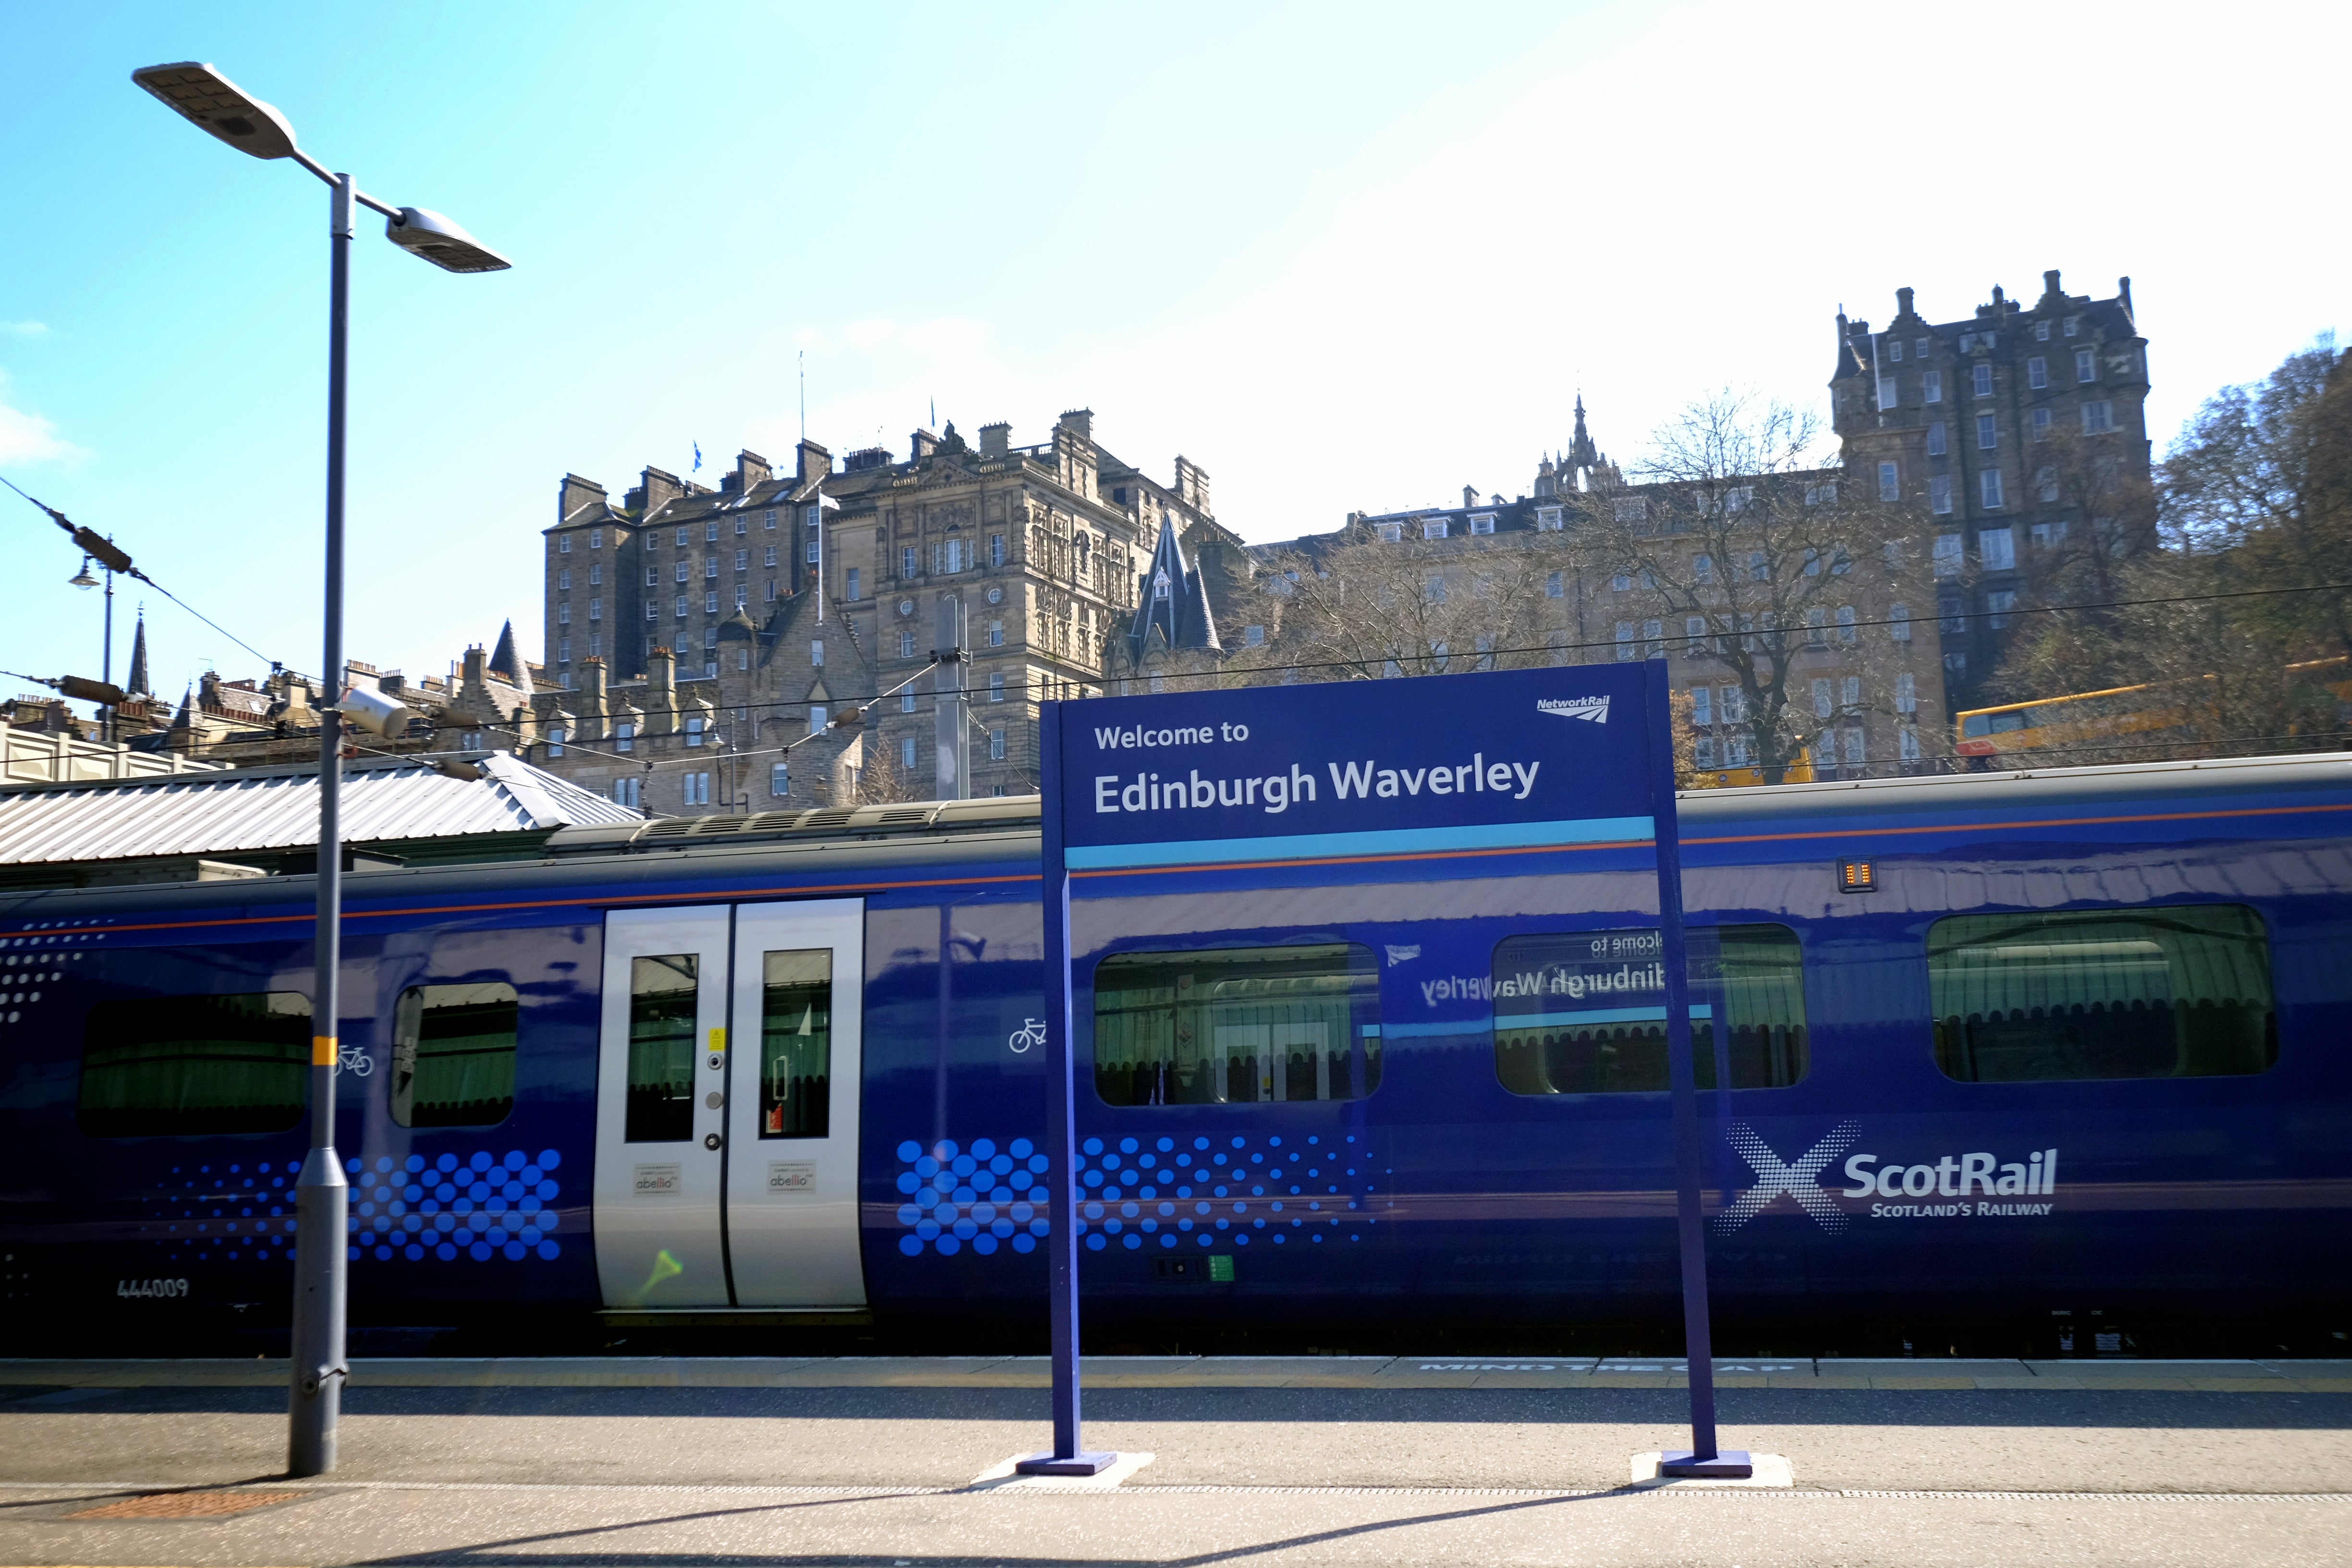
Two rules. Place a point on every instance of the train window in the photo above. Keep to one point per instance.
(1585, 1013)
(662, 1016)
(795, 1044)
(184, 1065)
(1237, 1025)
(453, 1055)
(2103, 994)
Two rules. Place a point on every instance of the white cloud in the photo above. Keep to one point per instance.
(28, 437)
(24, 329)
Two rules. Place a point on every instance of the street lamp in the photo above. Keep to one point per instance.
(220, 108)
(82, 578)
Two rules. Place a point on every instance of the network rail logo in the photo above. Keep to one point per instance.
(1973, 1185)
(1592, 709)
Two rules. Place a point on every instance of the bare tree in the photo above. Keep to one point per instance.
(1737, 547)
(1371, 608)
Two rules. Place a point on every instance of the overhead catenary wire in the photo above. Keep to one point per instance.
(115, 558)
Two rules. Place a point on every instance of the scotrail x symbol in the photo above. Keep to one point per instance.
(1800, 1181)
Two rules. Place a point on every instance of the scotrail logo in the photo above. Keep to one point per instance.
(1592, 709)
(1970, 1186)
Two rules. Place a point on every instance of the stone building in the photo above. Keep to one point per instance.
(740, 622)
(2022, 427)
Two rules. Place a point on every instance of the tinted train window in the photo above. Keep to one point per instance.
(662, 1016)
(189, 1064)
(1585, 1013)
(453, 1055)
(1237, 1025)
(795, 1044)
(2182, 992)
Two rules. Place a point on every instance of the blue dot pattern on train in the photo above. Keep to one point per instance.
(449, 1209)
(1134, 1192)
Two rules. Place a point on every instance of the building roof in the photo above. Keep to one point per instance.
(247, 809)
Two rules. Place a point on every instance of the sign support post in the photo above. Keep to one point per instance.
(1066, 1458)
(1702, 1458)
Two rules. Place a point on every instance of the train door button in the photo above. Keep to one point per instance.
(712, 1142)
(717, 1061)
(714, 1100)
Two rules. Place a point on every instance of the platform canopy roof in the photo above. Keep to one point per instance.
(391, 801)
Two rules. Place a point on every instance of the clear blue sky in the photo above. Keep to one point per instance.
(1343, 256)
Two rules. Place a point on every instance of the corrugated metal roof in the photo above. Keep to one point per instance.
(278, 808)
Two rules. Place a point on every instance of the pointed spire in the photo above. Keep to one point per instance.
(137, 684)
(505, 660)
(1582, 453)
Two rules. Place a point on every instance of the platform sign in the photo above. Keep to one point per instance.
(1272, 775)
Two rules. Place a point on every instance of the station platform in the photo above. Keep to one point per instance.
(1287, 1460)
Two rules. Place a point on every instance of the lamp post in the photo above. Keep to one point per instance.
(82, 578)
(218, 106)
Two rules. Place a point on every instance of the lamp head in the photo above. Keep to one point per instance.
(82, 578)
(217, 104)
(441, 242)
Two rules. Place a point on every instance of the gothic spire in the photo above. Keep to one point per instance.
(137, 683)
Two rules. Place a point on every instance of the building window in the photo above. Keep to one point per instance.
(1823, 494)
(2042, 424)
(1931, 386)
(564, 613)
(1817, 631)
(563, 545)
(1694, 635)
(711, 566)
(996, 687)
(681, 605)
(996, 550)
(2086, 365)
(771, 590)
(1906, 692)
(907, 753)
(850, 585)
(1703, 569)
(1391, 533)
(996, 634)
(1703, 751)
(742, 526)
(681, 536)
(1737, 498)
(1988, 433)
(1954, 617)
(780, 774)
(817, 718)
(1482, 522)
(1701, 706)
(596, 609)
(906, 645)
(1549, 518)
(1434, 591)
(628, 792)
(814, 515)
(1981, 380)
(1889, 395)
(1935, 439)
(1653, 639)
(563, 650)
(595, 644)
(1898, 622)
(1853, 747)
(695, 790)
(905, 702)
(2000, 602)
(1631, 508)
(1890, 482)
(815, 550)
(1895, 350)
(595, 539)
(555, 740)
(694, 730)
(2041, 331)
(1627, 649)
(652, 577)
(1432, 528)
(996, 745)
(1950, 547)
(768, 519)
(1759, 570)
(2045, 483)
(2037, 369)
(1555, 586)
(563, 580)
(1907, 745)
(1845, 625)
(2098, 417)
(711, 602)
(1732, 704)
(710, 531)
(743, 560)
(1988, 489)
(907, 560)
(1253, 636)
(625, 736)
(682, 571)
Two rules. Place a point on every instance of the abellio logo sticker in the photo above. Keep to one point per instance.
(1978, 1184)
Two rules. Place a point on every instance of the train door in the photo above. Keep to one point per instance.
(726, 1107)
(792, 1136)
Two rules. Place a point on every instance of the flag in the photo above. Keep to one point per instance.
(698, 457)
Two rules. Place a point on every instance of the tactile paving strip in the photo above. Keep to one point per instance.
(184, 1505)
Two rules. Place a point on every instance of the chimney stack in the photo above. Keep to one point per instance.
(575, 492)
(813, 461)
(995, 440)
(1903, 302)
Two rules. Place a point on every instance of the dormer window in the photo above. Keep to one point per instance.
(1160, 584)
(1547, 518)
(1482, 522)
(1392, 532)
(1432, 528)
